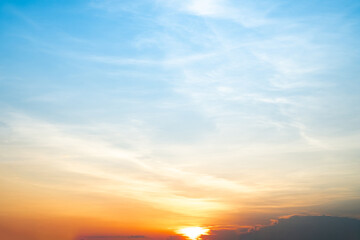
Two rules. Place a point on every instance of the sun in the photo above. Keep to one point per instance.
(193, 232)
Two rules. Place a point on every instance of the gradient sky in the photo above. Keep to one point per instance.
(141, 117)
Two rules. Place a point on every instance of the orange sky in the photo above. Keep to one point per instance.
(39, 210)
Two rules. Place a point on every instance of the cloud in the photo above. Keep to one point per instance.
(239, 12)
(257, 86)
(310, 228)
(205, 7)
(137, 176)
(295, 227)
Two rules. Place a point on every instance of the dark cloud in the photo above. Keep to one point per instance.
(350, 208)
(308, 228)
(221, 234)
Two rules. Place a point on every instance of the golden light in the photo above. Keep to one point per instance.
(193, 232)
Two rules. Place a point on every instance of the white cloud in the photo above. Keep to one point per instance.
(205, 7)
(238, 11)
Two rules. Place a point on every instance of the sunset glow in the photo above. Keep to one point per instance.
(193, 233)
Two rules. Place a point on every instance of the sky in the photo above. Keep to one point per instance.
(143, 117)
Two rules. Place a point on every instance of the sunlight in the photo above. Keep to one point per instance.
(193, 232)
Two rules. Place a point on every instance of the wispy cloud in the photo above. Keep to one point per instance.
(242, 13)
(191, 107)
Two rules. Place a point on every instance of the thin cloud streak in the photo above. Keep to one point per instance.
(156, 188)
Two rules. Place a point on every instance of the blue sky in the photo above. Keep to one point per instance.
(191, 101)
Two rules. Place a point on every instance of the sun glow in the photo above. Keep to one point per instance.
(193, 232)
